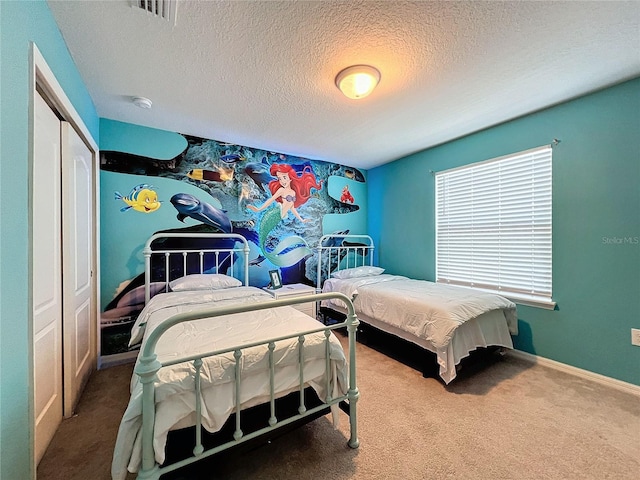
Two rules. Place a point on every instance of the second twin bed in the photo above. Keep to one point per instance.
(449, 321)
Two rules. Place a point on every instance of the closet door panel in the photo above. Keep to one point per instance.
(78, 200)
(47, 276)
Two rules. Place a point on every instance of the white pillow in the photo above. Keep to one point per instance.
(364, 271)
(204, 281)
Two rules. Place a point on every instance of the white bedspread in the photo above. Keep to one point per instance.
(430, 311)
(175, 399)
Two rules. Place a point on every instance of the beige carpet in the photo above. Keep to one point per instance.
(505, 419)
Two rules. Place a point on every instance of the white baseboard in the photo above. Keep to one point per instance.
(107, 361)
(578, 372)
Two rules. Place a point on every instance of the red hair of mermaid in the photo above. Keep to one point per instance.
(302, 184)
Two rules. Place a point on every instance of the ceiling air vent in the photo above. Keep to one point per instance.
(165, 9)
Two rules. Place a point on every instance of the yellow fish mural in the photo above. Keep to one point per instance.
(142, 198)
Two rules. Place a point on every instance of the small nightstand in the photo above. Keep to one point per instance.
(293, 290)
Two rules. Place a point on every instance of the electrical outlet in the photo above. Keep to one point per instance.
(635, 336)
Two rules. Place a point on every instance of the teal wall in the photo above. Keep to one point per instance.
(20, 23)
(121, 254)
(596, 204)
(139, 140)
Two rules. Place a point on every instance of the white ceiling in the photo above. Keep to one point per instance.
(261, 73)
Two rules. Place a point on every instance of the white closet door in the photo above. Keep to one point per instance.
(47, 277)
(79, 316)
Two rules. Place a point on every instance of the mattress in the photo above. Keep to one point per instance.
(449, 321)
(175, 399)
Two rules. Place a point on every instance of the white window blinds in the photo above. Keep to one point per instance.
(493, 226)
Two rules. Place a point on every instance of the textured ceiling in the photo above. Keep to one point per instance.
(261, 73)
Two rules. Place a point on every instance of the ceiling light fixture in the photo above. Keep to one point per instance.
(358, 81)
(142, 102)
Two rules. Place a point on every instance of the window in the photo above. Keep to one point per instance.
(493, 226)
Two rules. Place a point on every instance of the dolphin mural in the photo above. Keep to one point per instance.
(335, 239)
(189, 206)
(257, 261)
(259, 173)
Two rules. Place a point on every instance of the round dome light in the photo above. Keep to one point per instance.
(358, 81)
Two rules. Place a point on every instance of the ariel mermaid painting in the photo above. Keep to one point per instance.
(289, 189)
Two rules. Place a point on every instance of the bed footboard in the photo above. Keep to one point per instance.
(149, 365)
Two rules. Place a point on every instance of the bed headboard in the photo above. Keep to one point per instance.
(340, 251)
(180, 259)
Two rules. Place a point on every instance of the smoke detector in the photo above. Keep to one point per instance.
(164, 9)
(141, 102)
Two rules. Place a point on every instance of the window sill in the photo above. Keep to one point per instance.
(532, 302)
(520, 299)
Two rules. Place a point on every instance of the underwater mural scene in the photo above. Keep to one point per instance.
(281, 204)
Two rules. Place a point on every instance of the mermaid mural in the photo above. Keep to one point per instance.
(282, 204)
(289, 191)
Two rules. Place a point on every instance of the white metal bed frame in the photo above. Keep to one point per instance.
(339, 246)
(332, 247)
(148, 252)
(148, 366)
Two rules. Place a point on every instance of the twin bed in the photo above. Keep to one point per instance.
(449, 321)
(212, 347)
